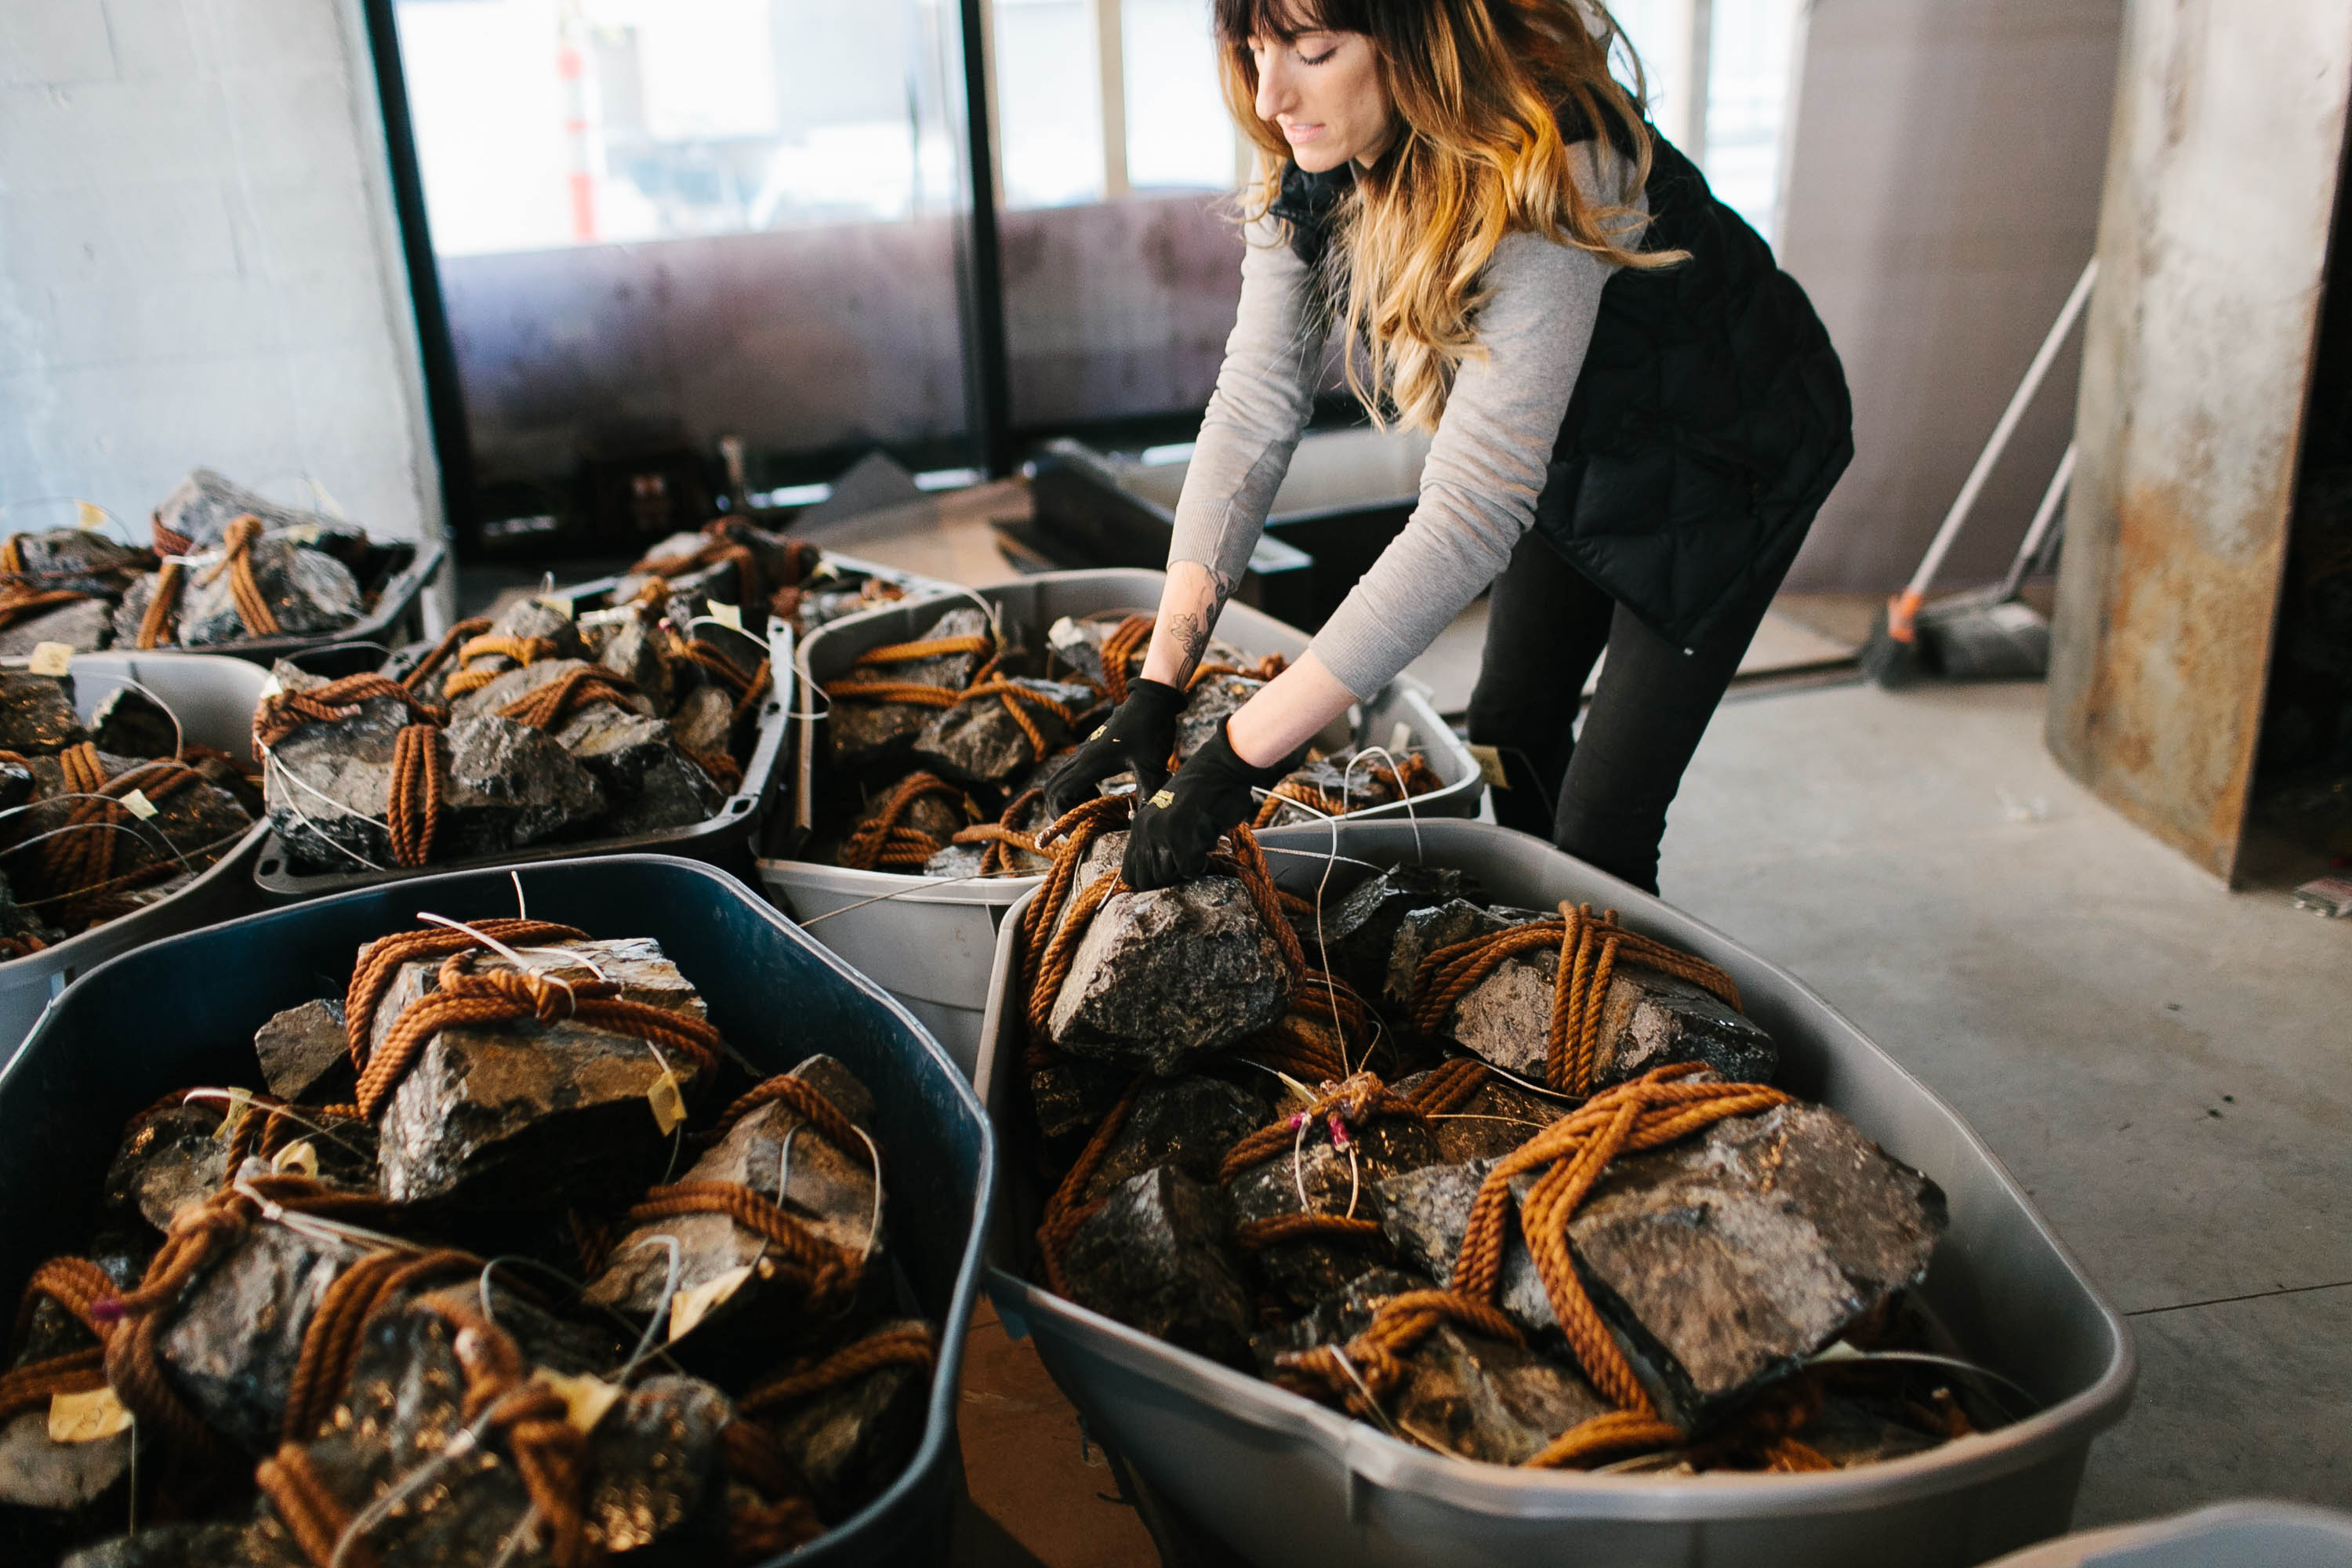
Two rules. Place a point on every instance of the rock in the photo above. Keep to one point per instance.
(39, 1474)
(216, 1546)
(204, 504)
(1206, 709)
(1649, 1020)
(1187, 1123)
(1362, 786)
(1072, 1096)
(1724, 1260)
(308, 591)
(1359, 932)
(650, 784)
(305, 1055)
(850, 1442)
(1335, 1319)
(510, 785)
(1492, 1123)
(1154, 1258)
(631, 649)
(982, 742)
(1310, 1269)
(198, 820)
(15, 920)
(231, 1346)
(1163, 976)
(963, 860)
(84, 626)
(80, 560)
(1078, 645)
(36, 714)
(527, 618)
(1421, 932)
(525, 1114)
(16, 784)
(935, 816)
(830, 1191)
(704, 721)
(862, 732)
(245, 788)
(168, 1158)
(129, 723)
(520, 680)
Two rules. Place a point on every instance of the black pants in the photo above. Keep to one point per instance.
(1600, 795)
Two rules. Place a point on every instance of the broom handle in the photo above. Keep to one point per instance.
(2047, 514)
(1951, 528)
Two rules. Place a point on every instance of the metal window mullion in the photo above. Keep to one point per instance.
(1110, 55)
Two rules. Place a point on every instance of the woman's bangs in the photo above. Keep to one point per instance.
(1239, 21)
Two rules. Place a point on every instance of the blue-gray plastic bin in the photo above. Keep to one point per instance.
(183, 1011)
(1277, 1479)
(2227, 1535)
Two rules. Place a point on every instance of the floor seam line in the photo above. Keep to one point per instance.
(2250, 1296)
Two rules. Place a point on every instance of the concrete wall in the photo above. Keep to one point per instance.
(199, 263)
(1941, 198)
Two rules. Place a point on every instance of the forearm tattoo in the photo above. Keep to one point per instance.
(1192, 631)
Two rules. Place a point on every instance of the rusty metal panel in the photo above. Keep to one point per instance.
(2213, 234)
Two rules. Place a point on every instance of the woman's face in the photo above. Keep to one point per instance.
(1323, 92)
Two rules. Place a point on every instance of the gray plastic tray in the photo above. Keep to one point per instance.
(2227, 1535)
(724, 838)
(213, 697)
(928, 942)
(1275, 1479)
(398, 616)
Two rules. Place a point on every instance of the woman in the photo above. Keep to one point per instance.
(1636, 416)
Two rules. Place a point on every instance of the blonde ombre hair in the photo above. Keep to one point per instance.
(1478, 89)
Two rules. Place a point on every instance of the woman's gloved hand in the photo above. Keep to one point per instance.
(1138, 736)
(1175, 828)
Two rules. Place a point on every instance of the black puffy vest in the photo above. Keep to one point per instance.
(1709, 421)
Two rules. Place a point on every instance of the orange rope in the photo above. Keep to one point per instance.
(283, 713)
(885, 839)
(913, 1345)
(380, 962)
(822, 1272)
(461, 632)
(237, 560)
(1417, 777)
(547, 706)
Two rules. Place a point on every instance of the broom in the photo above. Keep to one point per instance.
(1894, 657)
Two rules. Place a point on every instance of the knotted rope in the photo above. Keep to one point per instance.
(546, 706)
(471, 676)
(885, 839)
(331, 1344)
(1589, 950)
(74, 1284)
(1127, 642)
(748, 685)
(76, 862)
(549, 1452)
(465, 998)
(720, 543)
(1414, 777)
(19, 599)
(1069, 1209)
(463, 632)
(785, 604)
(1346, 1106)
(985, 684)
(283, 713)
(822, 1272)
(411, 816)
(21, 590)
(1004, 835)
(379, 963)
(822, 1116)
(1659, 1107)
(253, 611)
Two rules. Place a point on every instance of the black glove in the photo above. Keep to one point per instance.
(1138, 735)
(1175, 828)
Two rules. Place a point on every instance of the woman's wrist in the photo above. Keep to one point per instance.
(1287, 712)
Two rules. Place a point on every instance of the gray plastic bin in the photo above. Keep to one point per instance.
(929, 941)
(1279, 1479)
(597, 593)
(213, 697)
(724, 838)
(2228, 1535)
(776, 997)
(396, 572)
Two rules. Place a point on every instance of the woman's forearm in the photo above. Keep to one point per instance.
(1288, 711)
(1189, 607)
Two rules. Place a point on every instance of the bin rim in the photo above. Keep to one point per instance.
(1361, 1452)
(939, 1422)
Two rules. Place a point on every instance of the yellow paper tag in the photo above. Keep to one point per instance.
(725, 614)
(1164, 799)
(88, 514)
(89, 1417)
(1490, 766)
(298, 1157)
(304, 533)
(51, 659)
(138, 804)
(585, 1398)
(689, 1308)
(558, 603)
(668, 1102)
(240, 1100)
(271, 687)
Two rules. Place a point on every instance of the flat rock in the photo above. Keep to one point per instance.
(525, 1114)
(510, 785)
(850, 1442)
(1650, 1019)
(1492, 1123)
(304, 1053)
(36, 714)
(231, 1346)
(308, 592)
(1163, 976)
(1311, 1269)
(982, 742)
(1154, 1258)
(84, 626)
(650, 785)
(1356, 934)
(129, 723)
(830, 1191)
(1184, 1122)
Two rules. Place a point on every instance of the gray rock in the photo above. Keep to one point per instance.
(80, 560)
(168, 1158)
(204, 504)
(526, 1114)
(36, 714)
(632, 649)
(84, 626)
(308, 592)
(198, 820)
(1335, 1319)
(1649, 1019)
(1423, 930)
(1425, 1213)
(933, 814)
(1359, 932)
(650, 784)
(528, 618)
(860, 731)
(520, 680)
(216, 1546)
(851, 1443)
(829, 1190)
(982, 742)
(1164, 976)
(232, 1345)
(129, 723)
(510, 785)
(1210, 704)
(1072, 1096)
(1154, 1258)
(1185, 1122)
(704, 721)
(1492, 1123)
(1311, 1269)
(304, 1053)
(38, 1473)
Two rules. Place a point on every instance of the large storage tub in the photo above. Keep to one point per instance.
(2228, 1535)
(723, 838)
(929, 941)
(213, 699)
(183, 1011)
(1279, 1479)
(597, 593)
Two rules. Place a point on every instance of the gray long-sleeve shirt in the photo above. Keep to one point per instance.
(1486, 463)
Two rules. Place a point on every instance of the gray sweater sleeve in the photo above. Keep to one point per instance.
(1487, 463)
